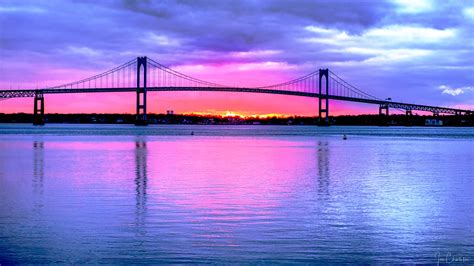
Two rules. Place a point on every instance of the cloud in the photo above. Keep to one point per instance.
(468, 12)
(396, 55)
(265, 66)
(163, 40)
(255, 53)
(387, 36)
(455, 91)
(83, 51)
(382, 45)
(400, 34)
(26, 9)
(410, 6)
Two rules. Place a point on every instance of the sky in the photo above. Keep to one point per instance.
(411, 51)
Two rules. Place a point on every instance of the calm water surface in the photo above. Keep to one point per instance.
(121, 194)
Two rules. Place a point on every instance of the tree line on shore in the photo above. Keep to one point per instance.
(416, 120)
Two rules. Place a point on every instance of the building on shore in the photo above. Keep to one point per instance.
(433, 122)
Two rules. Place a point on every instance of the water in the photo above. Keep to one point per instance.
(122, 194)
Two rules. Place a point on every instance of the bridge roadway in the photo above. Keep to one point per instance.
(399, 105)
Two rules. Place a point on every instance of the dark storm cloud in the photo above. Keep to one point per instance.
(389, 40)
(244, 25)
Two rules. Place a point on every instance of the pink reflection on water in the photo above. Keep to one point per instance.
(210, 174)
(210, 185)
(225, 184)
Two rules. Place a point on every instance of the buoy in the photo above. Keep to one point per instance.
(192, 133)
(344, 137)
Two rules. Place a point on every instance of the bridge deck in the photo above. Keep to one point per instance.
(407, 106)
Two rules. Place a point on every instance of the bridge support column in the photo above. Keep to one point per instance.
(38, 112)
(141, 118)
(383, 116)
(408, 117)
(323, 98)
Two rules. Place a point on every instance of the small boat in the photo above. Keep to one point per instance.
(344, 137)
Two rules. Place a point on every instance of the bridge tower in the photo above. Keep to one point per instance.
(323, 98)
(141, 119)
(38, 113)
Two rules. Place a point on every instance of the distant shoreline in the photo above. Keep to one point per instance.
(174, 119)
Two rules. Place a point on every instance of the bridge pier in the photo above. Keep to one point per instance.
(141, 118)
(323, 98)
(38, 112)
(408, 117)
(383, 116)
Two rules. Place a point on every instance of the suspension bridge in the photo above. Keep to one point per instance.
(143, 74)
